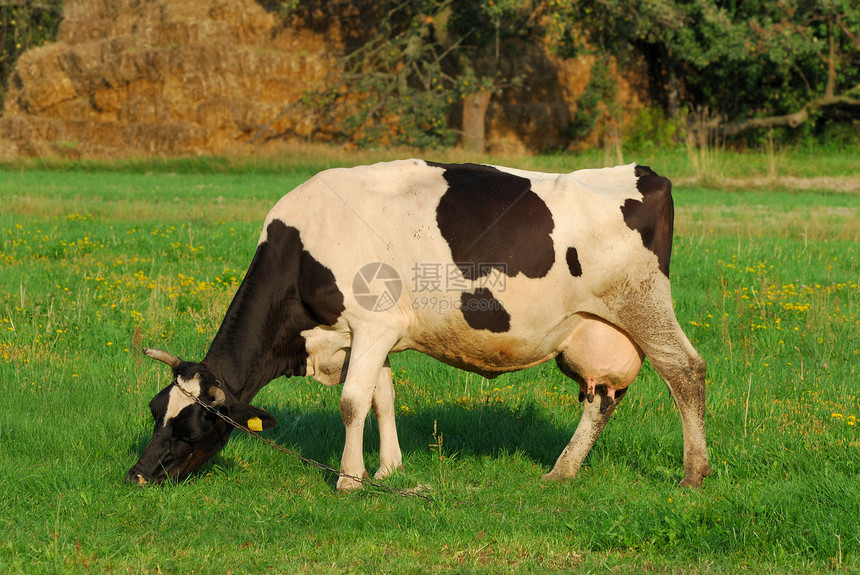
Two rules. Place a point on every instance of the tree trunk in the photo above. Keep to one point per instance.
(474, 115)
(831, 62)
(673, 95)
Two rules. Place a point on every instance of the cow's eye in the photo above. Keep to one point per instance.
(191, 438)
(189, 434)
(188, 431)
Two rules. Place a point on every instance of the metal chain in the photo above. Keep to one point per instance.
(299, 456)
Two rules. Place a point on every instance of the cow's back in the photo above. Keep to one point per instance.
(492, 268)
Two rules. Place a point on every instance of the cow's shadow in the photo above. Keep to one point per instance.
(477, 430)
(488, 429)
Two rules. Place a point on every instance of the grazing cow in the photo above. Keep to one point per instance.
(485, 268)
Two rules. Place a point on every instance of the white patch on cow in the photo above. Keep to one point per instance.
(179, 400)
(328, 355)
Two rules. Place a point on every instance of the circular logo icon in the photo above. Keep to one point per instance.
(377, 287)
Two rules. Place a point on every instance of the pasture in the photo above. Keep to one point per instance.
(98, 261)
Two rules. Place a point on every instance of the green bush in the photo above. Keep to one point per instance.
(651, 130)
(23, 25)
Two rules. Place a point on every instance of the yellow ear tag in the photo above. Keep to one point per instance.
(255, 424)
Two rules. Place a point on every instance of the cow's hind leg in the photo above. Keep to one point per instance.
(683, 370)
(603, 360)
(595, 414)
(390, 457)
(651, 322)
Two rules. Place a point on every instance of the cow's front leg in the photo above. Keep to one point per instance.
(368, 355)
(390, 457)
(595, 414)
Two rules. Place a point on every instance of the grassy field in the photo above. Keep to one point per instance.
(765, 283)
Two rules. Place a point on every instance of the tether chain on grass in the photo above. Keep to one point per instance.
(299, 456)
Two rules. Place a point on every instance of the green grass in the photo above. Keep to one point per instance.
(306, 159)
(765, 283)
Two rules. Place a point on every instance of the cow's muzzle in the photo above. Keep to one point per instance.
(134, 477)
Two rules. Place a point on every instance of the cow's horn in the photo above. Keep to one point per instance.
(218, 396)
(163, 357)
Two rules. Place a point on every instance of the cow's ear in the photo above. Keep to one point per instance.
(251, 417)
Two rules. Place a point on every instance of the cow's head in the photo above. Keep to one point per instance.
(186, 434)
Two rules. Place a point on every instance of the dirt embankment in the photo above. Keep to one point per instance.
(138, 77)
(166, 77)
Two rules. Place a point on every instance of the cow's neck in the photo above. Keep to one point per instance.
(260, 336)
(246, 358)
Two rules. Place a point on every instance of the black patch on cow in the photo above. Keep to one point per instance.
(319, 292)
(653, 217)
(483, 311)
(285, 291)
(573, 262)
(492, 219)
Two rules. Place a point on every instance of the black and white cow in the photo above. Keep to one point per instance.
(485, 268)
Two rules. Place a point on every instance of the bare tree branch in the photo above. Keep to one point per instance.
(788, 120)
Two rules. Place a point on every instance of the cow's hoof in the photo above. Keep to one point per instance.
(691, 482)
(136, 478)
(350, 483)
(388, 471)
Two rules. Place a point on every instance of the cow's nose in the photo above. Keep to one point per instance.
(136, 478)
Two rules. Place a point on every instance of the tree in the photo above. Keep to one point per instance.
(756, 63)
(822, 42)
(413, 69)
(415, 63)
(484, 30)
(390, 86)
